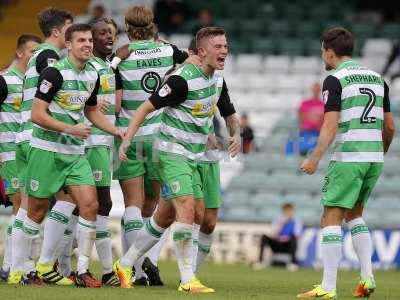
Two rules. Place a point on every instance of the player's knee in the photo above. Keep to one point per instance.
(104, 198)
(208, 225)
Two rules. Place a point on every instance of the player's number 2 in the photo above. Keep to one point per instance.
(367, 110)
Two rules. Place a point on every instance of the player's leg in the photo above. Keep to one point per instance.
(147, 237)
(340, 192)
(8, 171)
(360, 235)
(99, 160)
(198, 220)
(81, 187)
(130, 176)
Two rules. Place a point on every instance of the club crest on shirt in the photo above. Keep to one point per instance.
(97, 175)
(325, 95)
(164, 91)
(14, 183)
(45, 86)
(90, 85)
(175, 187)
(34, 185)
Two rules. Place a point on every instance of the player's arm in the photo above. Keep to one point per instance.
(50, 82)
(228, 112)
(46, 58)
(179, 56)
(172, 92)
(3, 90)
(388, 122)
(95, 116)
(332, 91)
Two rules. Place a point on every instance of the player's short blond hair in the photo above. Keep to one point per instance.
(207, 33)
(139, 23)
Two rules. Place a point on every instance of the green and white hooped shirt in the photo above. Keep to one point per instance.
(189, 98)
(67, 89)
(141, 75)
(10, 107)
(361, 97)
(45, 55)
(106, 92)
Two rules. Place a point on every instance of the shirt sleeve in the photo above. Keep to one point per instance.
(179, 56)
(224, 103)
(46, 58)
(3, 90)
(50, 82)
(92, 101)
(118, 80)
(332, 94)
(173, 92)
(386, 101)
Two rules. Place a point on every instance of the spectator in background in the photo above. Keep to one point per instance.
(204, 19)
(98, 12)
(394, 54)
(170, 15)
(310, 117)
(246, 134)
(283, 239)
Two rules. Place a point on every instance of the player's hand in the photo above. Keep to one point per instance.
(123, 148)
(103, 105)
(119, 133)
(194, 59)
(79, 130)
(122, 52)
(309, 165)
(234, 145)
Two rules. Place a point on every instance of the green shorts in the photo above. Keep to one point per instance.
(151, 167)
(21, 157)
(8, 171)
(179, 176)
(210, 174)
(133, 167)
(48, 172)
(348, 183)
(100, 162)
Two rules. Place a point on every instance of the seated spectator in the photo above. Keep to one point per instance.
(283, 238)
(310, 117)
(246, 134)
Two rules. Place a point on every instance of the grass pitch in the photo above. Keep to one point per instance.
(229, 281)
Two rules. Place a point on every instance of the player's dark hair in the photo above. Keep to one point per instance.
(26, 38)
(51, 18)
(287, 205)
(192, 46)
(339, 40)
(139, 22)
(208, 32)
(79, 27)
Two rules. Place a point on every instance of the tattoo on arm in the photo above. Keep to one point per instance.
(232, 122)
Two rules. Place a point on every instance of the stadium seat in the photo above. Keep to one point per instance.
(279, 29)
(264, 46)
(306, 65)
(307, 30)
(180, 40)
(377, 48)
(249, 63)
(291, 47)
(277, 64)
(390, 31)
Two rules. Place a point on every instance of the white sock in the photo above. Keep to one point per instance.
(54, 228)
(19, 257)
(204, 245)
(183, 247)
(65, 247)
(154, 253)
(139, 273)
(103, 243)
(24, 244)
(7, 260)
(147, 237)
(195, 235)
(124, 242)
(86, 235)
(133, 222)
(362, 244)
(331, 252)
